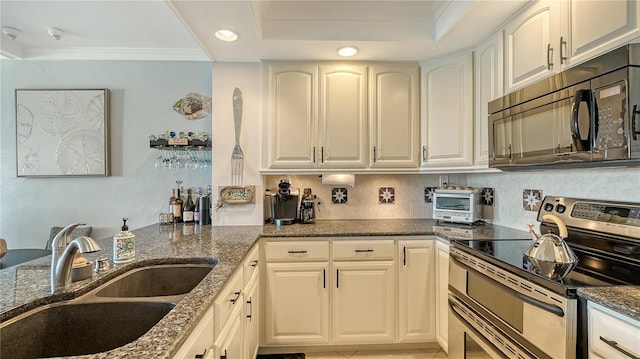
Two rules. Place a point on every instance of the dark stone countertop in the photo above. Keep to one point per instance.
(622, 299)
(27, 286)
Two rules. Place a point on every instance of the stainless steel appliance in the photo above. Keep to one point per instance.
(307, 207)
(281, 208)
(457, 205)
(587, 115)
(499, 302)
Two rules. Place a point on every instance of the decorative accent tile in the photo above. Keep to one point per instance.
(428, 194)
(488, 196)
(531, 199)
(386, 195)
(338, 195)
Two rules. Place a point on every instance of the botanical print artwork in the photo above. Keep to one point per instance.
(488, 196)
(531, 199)
(428, 194)
(338, 195)
(386, 195)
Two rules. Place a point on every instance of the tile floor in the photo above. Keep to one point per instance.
(435, 353)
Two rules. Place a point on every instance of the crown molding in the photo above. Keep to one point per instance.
(110, 53)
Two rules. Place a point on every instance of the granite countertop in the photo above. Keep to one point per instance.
(622, 299)
(27, 286)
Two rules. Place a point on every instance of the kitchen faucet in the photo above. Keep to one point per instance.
(63, 252)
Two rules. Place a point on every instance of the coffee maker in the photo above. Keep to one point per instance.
(281, 208)
(307, 207)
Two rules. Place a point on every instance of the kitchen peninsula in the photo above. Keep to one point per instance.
(26, 286)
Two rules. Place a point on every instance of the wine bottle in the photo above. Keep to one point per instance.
(172, 200)
(196, 210)
(187, 214)
(177, 209)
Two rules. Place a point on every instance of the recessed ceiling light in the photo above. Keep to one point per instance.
(226, 35)
(56, 33)
(348, 51)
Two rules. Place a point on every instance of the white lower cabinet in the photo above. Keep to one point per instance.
(297, 303)
(363, 302)
(611, 334)
(416, 304)
(236, 312)
(200, 341)
(442, 290)
(349, 291)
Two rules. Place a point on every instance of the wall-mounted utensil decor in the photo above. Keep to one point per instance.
(61, 133)
(237, 157)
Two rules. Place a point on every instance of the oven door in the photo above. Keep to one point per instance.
(508, 312)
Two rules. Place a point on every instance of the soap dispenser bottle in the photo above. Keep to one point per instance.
(124, 245)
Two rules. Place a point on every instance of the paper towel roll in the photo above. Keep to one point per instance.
(339, 179)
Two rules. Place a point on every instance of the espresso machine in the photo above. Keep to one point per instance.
(307, 207)
(281, 208)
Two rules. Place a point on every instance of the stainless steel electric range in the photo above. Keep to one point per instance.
(499, 303)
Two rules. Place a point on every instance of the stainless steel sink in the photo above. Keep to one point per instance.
(157, 280)
(78, 328)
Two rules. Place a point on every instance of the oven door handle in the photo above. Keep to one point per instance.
(535, 302)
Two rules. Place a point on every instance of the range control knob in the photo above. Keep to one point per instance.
(548, 207)
(561, 208)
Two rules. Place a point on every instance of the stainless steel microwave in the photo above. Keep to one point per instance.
(588, 115)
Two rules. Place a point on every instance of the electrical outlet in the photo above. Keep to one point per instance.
(444, 180)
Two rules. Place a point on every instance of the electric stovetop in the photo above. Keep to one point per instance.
(593, 269)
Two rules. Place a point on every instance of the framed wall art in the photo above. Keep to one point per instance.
(62, 133)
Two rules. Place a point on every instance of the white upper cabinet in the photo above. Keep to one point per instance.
(594, 27)
(488, 76)
(530, 44)
(447, 111)
(549, 36)
(342, 116)
(394, 115)
(292, 115)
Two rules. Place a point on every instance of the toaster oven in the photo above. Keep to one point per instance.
(457, 205)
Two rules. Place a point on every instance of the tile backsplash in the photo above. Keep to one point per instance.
(503, 192)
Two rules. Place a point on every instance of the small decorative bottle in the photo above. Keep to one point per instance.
(124, 245)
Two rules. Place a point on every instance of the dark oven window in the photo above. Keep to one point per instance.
(496, 298)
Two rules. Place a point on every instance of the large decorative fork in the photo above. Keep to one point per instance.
(237, 157)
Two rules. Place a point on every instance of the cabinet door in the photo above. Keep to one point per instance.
(531, 42)
(447, 111)
(342, 116)
(488, 84)
(594, 27)
(229, 344)
(297, 302)
(442, 290)
(394, 115)
(363, 302)
(251, 319)
(200, 340)
(416, 298)
(292, 115)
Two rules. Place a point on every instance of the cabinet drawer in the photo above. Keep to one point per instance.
(250, 264)
(611, 335)
(297, 251)
(229, 297)
(364, 250)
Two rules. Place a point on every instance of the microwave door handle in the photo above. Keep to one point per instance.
(578, 97)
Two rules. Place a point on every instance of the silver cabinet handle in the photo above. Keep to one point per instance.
(374, 154)
(614, 345)
(563, 58)
(313, 154)
(549, 54)
(250, 309)
(254, 263)
(322, 154)
(424, 153)
(234, 300)
(363, 250)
